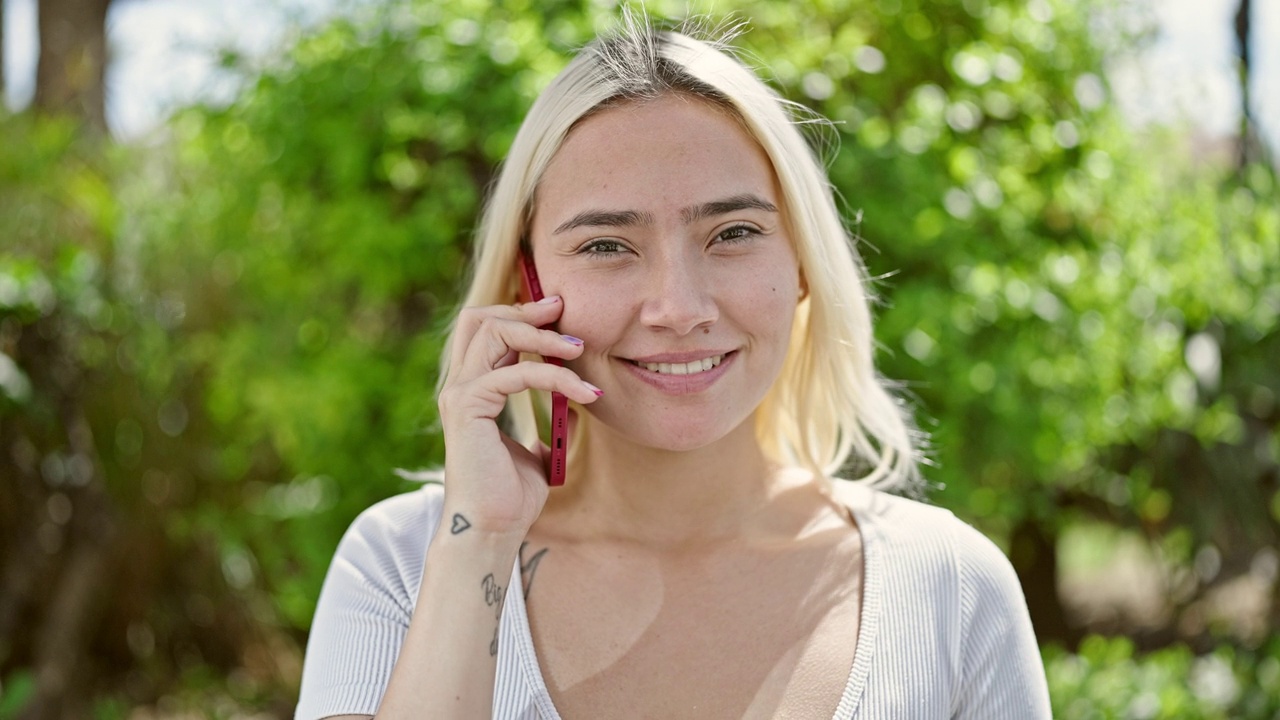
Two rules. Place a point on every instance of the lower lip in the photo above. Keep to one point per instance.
(683, 384)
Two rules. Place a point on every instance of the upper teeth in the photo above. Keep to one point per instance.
(689, 368)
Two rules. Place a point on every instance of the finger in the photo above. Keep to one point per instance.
(497, 340)
(541, 376)
(485, 397)
(470, 319)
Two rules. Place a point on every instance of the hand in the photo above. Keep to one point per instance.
(495, 483)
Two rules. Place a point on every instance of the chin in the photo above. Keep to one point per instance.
(676, 443)
(685, 435)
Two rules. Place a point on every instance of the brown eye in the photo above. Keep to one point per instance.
(603, 247)
(737, 234)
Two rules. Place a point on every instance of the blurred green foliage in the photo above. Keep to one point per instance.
(1107, 679)
(247, 316)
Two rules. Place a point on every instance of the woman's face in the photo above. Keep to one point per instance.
(660, 225)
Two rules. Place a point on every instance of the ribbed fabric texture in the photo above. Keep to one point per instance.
(945, 631)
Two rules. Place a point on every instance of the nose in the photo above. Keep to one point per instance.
(678, 297)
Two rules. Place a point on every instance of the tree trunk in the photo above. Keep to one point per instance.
(1250, 140)
(1034, 555)
(2, 98)
(71, 69)
(69, 621)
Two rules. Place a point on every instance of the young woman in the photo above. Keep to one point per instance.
(701, 560)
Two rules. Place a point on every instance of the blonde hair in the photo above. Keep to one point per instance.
(829, 411)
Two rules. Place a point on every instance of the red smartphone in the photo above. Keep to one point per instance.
(557, 436)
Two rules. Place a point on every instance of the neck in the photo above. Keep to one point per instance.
(618, 490)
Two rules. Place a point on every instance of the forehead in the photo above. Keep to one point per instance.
(671, 151)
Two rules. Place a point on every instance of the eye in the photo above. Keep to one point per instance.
(737, 234)
(603, 248)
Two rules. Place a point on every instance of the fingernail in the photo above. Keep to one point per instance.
(549, 299)
(572, 340)
(593, 388)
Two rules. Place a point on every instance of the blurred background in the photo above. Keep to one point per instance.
(230, 234)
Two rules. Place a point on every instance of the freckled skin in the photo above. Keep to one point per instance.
(671, 285)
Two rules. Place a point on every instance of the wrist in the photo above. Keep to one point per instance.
(474, 528)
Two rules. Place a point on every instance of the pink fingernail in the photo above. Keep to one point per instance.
(593, 388)
(549, 299)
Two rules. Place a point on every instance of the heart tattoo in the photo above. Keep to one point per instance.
(459, 524)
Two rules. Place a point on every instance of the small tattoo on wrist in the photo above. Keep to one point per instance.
(459, 524)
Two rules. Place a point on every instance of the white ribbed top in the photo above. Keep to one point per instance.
(944, 634)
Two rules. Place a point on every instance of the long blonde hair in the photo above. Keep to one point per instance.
(829, 411)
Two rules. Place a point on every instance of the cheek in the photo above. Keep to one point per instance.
(771, 315)
(594, 312)
(767, 296)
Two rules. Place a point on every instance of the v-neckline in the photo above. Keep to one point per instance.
(868, 622)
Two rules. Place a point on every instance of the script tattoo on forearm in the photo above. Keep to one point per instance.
(529, 567)
(494, 594)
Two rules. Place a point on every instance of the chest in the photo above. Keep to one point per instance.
(737, 634)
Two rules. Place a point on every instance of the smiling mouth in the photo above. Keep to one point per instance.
(689, 368)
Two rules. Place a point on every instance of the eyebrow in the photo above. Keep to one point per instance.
(605, 218)
(693, 213)
(728, 205)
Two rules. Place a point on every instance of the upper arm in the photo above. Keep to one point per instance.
(1002, 671)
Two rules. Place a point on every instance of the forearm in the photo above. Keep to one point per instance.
(447, 663)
